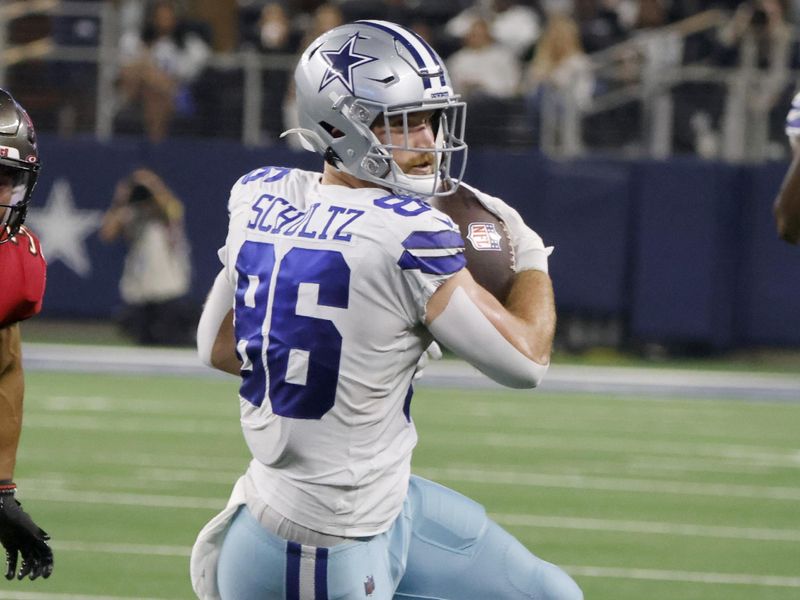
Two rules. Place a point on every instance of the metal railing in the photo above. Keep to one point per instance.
(651, 63)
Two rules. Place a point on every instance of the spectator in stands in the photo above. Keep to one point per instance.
(560, 69)
(759, 37)
(326, 17)
(487, 75)
(156, 276)
(274, 30)
(159, 66)
(482, 67)
(274, 35)
(602, 24)
(515, 26)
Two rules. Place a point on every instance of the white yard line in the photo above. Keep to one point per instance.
(16, 595)
(765, 454)
(648, 527)
(616, 484)
(132, 549)
(684, 576)
(47, 491)
(111, 422)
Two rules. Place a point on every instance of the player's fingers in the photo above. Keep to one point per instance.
(44, 557)
(47, 567)
(36, 568)
(11, 563)
(25, 568)
(434, 351)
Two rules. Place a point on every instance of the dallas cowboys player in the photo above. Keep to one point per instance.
(338, 282)
(787, 203)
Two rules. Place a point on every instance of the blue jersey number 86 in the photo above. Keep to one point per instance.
(310, 347)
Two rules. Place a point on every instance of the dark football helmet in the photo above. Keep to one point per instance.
(19, 160)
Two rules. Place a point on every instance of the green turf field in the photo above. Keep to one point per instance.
(638, 498)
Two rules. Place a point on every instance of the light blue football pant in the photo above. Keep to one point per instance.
(442, 546)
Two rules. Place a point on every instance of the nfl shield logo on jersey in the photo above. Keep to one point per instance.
(369, 585)
(484, 236)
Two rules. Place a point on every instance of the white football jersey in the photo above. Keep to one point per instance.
(793, 121)
(331, 286)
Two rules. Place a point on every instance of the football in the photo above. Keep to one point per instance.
(487, 247)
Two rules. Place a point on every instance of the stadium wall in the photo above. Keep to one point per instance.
(682, 250)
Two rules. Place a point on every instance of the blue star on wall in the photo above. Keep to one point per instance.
(342, 62)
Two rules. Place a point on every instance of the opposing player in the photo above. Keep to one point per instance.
(787, 203)
(338, 282)
(23, 268)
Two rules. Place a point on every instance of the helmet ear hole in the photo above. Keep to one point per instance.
(332, 131)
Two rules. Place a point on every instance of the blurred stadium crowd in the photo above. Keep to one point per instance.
(639, 77)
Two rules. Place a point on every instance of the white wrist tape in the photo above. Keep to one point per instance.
(529, 249)
(463, 328)
(219, 302)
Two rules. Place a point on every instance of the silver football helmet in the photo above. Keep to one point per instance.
(19, 160)
(355, 74)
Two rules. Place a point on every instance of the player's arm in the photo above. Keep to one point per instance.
(511, 343)
(216, 344)
(787, 204)
(119, 214)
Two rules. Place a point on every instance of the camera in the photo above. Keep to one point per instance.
(759, 18)
(140, 193)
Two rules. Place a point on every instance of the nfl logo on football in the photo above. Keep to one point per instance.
(484, 236)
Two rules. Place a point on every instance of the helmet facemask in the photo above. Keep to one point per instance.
(379, 165)
(14, 210)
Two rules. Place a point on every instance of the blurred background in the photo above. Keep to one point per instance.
(643, 138)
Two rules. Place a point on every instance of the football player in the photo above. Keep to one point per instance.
(23, 268)
(787, 203)
(337, 282)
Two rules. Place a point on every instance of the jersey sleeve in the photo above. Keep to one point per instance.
(793, 121)
(431, 250)
(24, 266)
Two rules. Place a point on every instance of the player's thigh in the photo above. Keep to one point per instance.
(251, 563)
(255, 564)
(458, 553)
(11, 378)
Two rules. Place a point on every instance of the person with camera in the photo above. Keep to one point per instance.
(148, 216)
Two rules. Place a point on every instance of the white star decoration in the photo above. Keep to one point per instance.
(63, 228)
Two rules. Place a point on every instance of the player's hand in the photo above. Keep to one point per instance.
(528, 248)
(433, 352)
(20, 536)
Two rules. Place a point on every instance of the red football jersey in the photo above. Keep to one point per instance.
(23, 273)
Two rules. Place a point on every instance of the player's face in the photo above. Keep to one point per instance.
(7, 182)
(420, 135)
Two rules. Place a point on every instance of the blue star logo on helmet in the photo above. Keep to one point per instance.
(342, 63)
